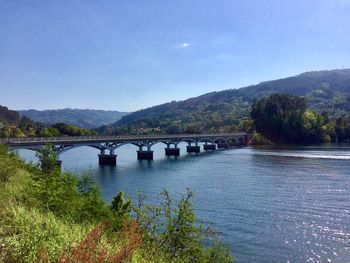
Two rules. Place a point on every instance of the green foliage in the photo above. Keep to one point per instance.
(172, 228)
(90, 204)
(342, 128)
(12, 125)
(313, 127)
(54, 191)
(279, 117)
(259, 139)
(27, 230)
(120, 206)
(48, 158)
(44, 215)
(8, 166)
(70, 130)
(64, 194)
(181, 237)
(283, 118)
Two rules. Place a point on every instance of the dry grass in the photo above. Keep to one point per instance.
(92, 250)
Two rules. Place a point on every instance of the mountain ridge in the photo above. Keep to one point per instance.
(84, 118)
(325, 90)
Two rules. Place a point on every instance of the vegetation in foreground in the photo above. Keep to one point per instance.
(49, 216)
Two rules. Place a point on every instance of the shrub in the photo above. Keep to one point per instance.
(8, 166)
(27, 231)
(259, 139)
(172, 229)
(120, 206)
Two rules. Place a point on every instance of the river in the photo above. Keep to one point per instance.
(288, 204)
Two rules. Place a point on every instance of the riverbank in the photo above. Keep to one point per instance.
(49, 216)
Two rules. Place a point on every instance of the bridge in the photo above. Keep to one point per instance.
(107, 145)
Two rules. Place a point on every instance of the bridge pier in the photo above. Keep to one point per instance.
(223, 145)
(209, 147)
(144, 155)
(107, 159)
(193, 149)
(172, 151)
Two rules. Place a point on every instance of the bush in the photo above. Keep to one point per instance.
(27, 231)
(259, 139)
(172, 229)
(8, 168)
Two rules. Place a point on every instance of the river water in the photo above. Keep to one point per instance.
(269, 204)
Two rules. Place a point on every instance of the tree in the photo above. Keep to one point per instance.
(17, 133)
(48, 158)
(279, 117)
(314, 127)
(48, 184)
(91, 206)
(120, 206)
(342, 128)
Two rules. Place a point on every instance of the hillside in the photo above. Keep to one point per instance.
(8, 116)
(12, 124)
(324, 90)
(88, 119)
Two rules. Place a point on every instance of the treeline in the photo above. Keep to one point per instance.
(88, 119)
(284, 118)
(28, 128)
(13, 125)
(210, 123)
(50, 216)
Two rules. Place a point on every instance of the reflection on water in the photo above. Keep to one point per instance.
(270, 204)
(308, 154)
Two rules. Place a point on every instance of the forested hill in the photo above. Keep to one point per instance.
(324, 90)
(88, 119)
(14, 125)
(8, 116)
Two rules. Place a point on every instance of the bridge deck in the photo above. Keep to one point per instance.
(102, 139)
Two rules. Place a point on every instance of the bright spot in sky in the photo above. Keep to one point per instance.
(184, 45)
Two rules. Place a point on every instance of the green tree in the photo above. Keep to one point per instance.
(48, 158)
(342, 128)
(120, 206)
(314, 127)
(55, 191)
(17, 133)
(279, 117)
(91, 206)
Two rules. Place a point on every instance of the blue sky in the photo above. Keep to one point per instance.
(127, 55)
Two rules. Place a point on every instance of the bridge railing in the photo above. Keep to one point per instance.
(113, 138)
